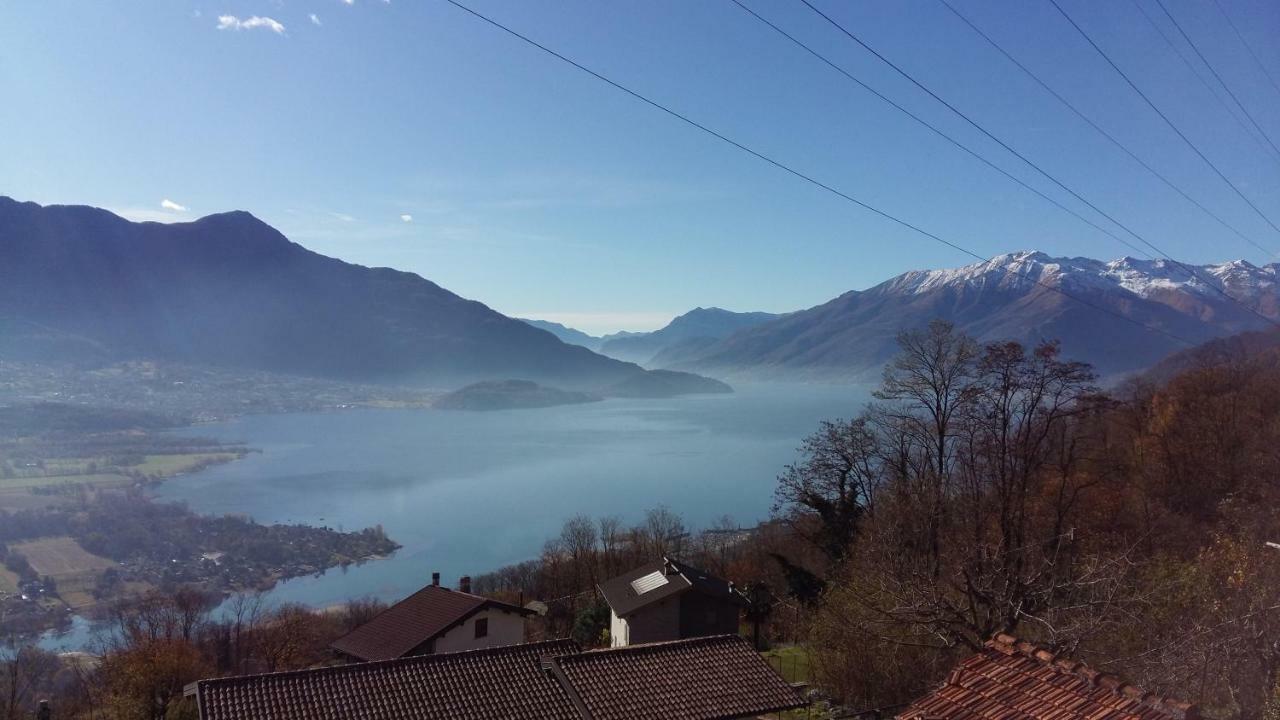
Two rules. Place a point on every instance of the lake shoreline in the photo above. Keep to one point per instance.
(468, 493)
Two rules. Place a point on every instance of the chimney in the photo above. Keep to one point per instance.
(464, 583)
(435, 579)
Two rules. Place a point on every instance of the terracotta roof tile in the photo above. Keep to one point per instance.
(1012, 679)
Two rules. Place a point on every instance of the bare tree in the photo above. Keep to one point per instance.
(611, 538)
(825, 495)
(665, 531)
(578, 538)
(24, 669)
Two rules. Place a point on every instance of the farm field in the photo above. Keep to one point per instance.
(73, 569)
(95, 479)
(166, 465)
(8, 580)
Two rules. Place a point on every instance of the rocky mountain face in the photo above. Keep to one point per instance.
(853, 335)
(79, 283)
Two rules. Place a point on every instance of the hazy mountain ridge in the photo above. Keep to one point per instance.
(566, 334)
(230, 290)
(696, 328)
(853, 335)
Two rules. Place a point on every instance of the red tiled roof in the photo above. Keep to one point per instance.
(1015, 680)
(697, 679)
(501, 683)
(417, 619)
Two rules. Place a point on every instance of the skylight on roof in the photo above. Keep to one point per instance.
(652, 581)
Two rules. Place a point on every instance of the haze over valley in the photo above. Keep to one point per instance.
(495, 359)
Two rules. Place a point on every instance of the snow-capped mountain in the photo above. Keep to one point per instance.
(1011, 296)
(1144, 278)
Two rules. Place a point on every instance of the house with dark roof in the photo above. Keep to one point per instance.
(1015, 680)
(669, 600)
(494, 683)
(435, 619)
(698, 679)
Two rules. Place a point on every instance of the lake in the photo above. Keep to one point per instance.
(468, 492)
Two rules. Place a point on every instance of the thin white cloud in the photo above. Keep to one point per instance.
(342, 216)
(315, 19)
(349, 2)
(168, 204)
(406, 218)
(231, 22)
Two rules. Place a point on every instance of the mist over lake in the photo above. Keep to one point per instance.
(467, 492)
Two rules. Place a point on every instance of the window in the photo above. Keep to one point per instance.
(652, 581)
(482, 628)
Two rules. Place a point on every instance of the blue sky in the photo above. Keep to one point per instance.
(411, 135)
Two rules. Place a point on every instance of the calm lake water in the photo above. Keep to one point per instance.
(468, 492)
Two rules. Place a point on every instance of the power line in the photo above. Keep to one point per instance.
(1191, 273)
(1217, 95)
(796, 173)
(1093, 124)
(1215, 74)
(931, 127)
(1248, 47)
(1164, 117)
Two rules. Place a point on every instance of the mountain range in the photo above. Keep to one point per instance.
(81, 284)
(227, 290)
(1091, 306)
(698, 328)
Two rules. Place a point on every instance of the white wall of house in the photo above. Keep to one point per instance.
(505, 628)
(617, 630)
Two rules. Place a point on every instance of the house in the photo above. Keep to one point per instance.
(669, 600)
(435, 619)
(698, 679)
(1010, 678)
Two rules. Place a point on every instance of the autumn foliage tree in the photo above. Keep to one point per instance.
(993, 488)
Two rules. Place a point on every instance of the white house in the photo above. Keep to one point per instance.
(434, 620)
(669, 600)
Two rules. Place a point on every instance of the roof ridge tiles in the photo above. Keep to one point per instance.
(431, 659)
(1012, 645)
(656, 646)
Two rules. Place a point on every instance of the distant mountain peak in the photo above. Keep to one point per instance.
(1002, 298)
(229, 290)
(236, 216)
(1022, 269)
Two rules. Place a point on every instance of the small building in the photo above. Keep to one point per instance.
(435, 619)
(1011, 678)
(711, 678)
(669, 600)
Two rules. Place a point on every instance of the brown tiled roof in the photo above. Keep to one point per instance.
(491, 684)
(709, 678)
(423, 616)
(1015, 680)
(624, 600)
(697, 679)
